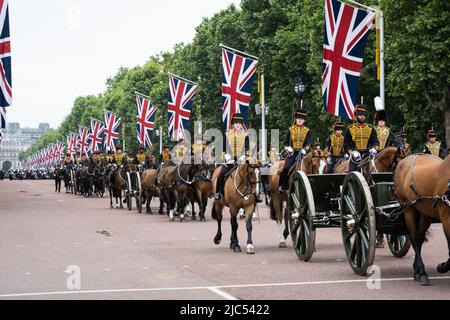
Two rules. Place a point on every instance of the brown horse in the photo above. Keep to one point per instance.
(422, 184)
(148, 181)
(201, 189)
(117, 182)
(239, 190)
(310, 164)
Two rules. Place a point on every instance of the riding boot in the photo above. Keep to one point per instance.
(283, 182)
(220, 186)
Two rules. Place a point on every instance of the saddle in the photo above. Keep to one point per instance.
(225, 177)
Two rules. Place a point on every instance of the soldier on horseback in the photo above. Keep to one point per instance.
(384, 134)
(197, 148)
(298, 139)
(237, 145)
(118, 157)
(433, 146)
(141, 156)
(335, 146)
(361, 138)
(68, 159)
(165, 156)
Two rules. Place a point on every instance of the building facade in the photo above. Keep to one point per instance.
(17, 139)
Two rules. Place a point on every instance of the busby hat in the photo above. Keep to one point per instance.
(431, 133)
(300, 114)
(141, 147)
(380, 116)
(360, 110)
(338, 125)
(237, 118)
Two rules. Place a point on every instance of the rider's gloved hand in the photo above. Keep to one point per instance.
(346, 156)
(373, 152)
(303, 151)
(289, 149)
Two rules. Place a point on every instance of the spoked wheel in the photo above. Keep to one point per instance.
(302, 212)
(138, 192)
(398, 244)
(128, 192)
(358, 222)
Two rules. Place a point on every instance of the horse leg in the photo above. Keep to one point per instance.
(417, 227)
(110, 197)
(217, 214)
(161, 202)
(204, 201)
(120, 198)
(234, 242)
(249, 227)
(445, 220)
(171, 205)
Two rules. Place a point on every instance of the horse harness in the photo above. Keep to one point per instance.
(445, 199)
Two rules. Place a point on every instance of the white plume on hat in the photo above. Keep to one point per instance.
(378, 104)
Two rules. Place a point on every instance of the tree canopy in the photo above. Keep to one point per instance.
(287, 35)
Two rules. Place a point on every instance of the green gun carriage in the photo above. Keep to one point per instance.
(346, 201)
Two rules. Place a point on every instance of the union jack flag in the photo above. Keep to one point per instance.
(54, 154)
(181, 98)
(59, 151)
(95, 137)
(112, 125)
(83, 144)
(145, 120)
(72, 144)
(346, 34)
(5, 56)
(238, 73)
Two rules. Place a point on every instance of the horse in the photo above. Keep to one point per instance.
(100, 177)
(117, 182)
(310, 163)
(201, 189)
(87, 178)
(422, 185)
(149, 188)
(239, 189)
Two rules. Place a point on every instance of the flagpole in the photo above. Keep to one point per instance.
(181, 78)
(382, 89)
(238, 51)
(263, 121)
(143, 95)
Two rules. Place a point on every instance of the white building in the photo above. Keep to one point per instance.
(15, 140)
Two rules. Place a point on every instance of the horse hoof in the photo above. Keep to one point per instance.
(250, 249)
(217, 240)
(171, 219)
(182, 220)
(202, 220)
(282, 245)
(237, 249)
(193, 218)
(442, 267)
(424, 281)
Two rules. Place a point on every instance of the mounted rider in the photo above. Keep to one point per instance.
(236, 146)
(298, 139)
(335, 146)
(433, 146)
(141, 156)
(197, 148)
(384, 134)
(118, 157)
(360, 139)
(166, 155)
(68, 159)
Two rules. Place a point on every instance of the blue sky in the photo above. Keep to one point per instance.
(65, 48)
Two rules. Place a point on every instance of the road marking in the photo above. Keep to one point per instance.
(106, 269)
(27, 273)
(255, 285)
(223, 294)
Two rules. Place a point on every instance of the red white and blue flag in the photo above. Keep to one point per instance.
(95, 137)
(72, 144)
(59, 151)
(180, 101)
(83, 143)
(111, 132)
(238, 73)
(5, 56)
(346, 34)
(145, 120)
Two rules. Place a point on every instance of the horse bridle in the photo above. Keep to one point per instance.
(249, 187)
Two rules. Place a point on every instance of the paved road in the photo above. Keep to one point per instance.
(139, 256)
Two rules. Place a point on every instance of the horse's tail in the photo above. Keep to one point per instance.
(213, 212)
